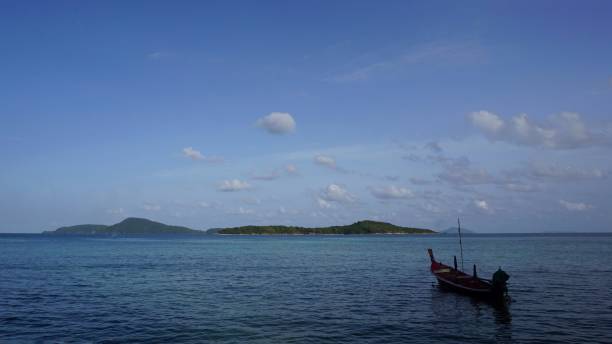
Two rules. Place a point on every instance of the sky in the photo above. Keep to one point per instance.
(309, 113)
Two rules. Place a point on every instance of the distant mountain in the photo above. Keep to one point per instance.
(453, 230)
(129, 226)
(361, 227)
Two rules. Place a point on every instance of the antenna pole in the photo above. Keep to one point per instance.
(460, 243)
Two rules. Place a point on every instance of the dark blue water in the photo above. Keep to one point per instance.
(303, 289)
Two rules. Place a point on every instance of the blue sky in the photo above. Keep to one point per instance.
(210, 114)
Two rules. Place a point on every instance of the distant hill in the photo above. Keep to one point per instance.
(361, 227)
(453, 230)
(129, 226)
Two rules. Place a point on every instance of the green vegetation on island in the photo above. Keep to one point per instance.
(129, 226)
(361, 227)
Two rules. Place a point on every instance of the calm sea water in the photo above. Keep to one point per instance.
(302, 289)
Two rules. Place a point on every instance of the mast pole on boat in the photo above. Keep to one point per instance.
(460, 243)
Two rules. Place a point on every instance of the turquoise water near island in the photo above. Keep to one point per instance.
(299, 289)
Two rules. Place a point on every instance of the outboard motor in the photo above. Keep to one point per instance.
(500, 277)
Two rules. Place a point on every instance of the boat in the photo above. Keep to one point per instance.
(449, 277)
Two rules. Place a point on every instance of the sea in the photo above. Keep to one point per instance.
(300, 289)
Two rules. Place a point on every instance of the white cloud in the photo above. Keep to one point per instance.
(277, 123)
(192, 154)
(196, 155)
(324, 160)
(482, 205)
(566, 130)
(233, 185)
(572, 206)
(336, 193)
(391, 192)
(323, 204)
(487, 121)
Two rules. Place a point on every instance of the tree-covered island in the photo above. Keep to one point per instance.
(361, 227)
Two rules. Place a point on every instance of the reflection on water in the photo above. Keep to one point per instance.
(469, 317)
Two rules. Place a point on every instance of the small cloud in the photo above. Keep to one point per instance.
(233, 185)
(324, 160)
(323, 204)
(487, 121)
(277, 123)
(336, 193)
(482, 206)
(572, 206)
(151, 207)
(196, 155)
(391, 192)
(192, 154)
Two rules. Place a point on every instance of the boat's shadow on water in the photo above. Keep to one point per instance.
(470, 316)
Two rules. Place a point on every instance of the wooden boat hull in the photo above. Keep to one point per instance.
(487, 294)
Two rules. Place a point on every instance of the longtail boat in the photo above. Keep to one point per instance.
(451, 278)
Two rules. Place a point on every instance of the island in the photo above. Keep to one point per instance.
(129, 226)
(133, 226)
(361, 227)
